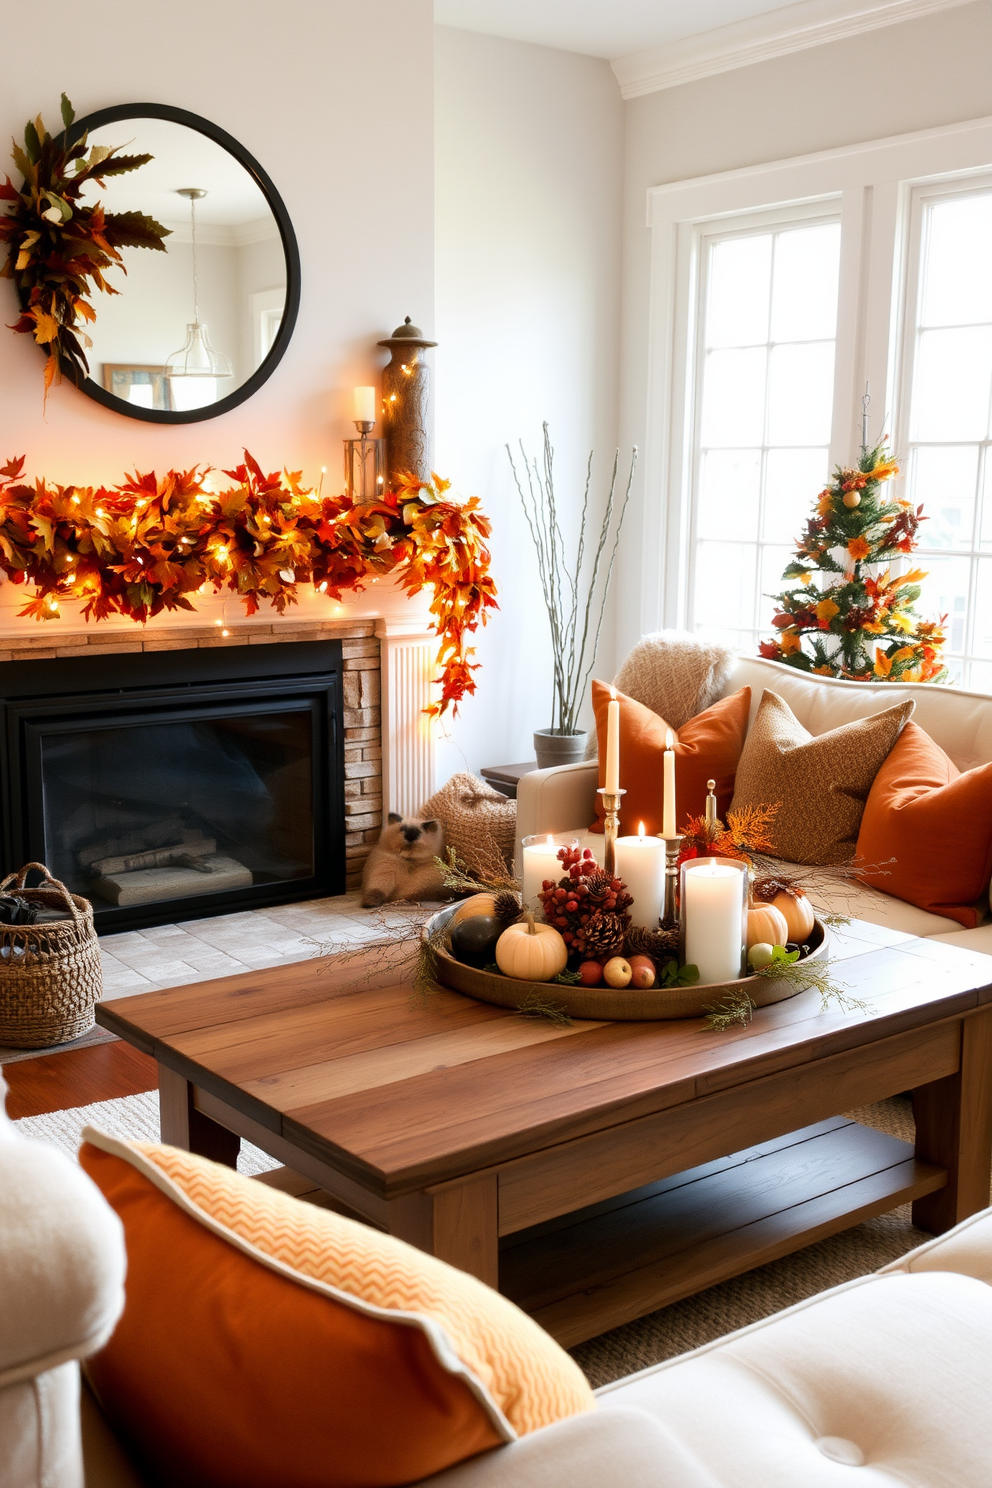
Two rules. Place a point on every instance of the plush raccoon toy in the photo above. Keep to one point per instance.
(401, 865)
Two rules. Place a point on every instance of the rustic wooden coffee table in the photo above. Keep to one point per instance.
(598, 1171)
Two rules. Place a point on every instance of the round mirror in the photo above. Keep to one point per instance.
(193, 331)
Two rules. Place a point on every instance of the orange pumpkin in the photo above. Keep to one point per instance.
(797, 912)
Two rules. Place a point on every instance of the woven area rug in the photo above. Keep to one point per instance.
(128, 1116)
(84, 1041)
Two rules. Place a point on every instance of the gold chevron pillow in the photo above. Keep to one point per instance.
(265, 1341)
(820, 782)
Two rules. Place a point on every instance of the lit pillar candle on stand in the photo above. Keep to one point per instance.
(364, 405)
(714, 895)
(540, 861)
(641, 865)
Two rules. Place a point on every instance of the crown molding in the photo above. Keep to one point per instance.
(774, 34)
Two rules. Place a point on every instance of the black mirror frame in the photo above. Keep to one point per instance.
(262, 373)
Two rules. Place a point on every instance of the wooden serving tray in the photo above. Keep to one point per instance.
(611, 1004)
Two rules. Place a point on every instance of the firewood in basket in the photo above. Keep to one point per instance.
(184, 854)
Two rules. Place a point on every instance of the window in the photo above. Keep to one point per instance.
(777, 292)
(765, 391)
(946, 429)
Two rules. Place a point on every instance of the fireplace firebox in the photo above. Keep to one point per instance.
(177, 784)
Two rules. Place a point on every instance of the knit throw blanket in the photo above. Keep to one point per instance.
(675, 674)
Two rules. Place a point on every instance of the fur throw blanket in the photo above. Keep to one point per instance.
(675, 674)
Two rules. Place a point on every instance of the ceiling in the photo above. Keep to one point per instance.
(622, 29)
(603, 28)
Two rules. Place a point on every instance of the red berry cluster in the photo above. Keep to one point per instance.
(582, 896)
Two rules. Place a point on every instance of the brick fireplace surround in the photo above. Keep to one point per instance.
(386, 685)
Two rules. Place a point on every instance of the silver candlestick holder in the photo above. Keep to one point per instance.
(670, 910)
(611, 826)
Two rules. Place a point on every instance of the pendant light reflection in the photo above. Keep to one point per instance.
(196, 357)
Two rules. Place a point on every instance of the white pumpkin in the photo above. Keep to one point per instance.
(797, 913)
(531, 952)
(766, 925)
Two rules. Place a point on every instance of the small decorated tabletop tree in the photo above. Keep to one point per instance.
(861, 624)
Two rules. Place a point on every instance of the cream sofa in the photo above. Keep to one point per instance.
(560, 799)
(890, 1372)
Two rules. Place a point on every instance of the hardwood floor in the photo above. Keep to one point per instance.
(57, 1082)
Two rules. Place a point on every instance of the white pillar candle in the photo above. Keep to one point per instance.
(365, 405)
(668, 784)
(540, 861)
(713, 916)
(641, 865)
(612, 780)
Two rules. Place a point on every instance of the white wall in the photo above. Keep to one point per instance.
(305, 96)
(916, 75)
(528, 191)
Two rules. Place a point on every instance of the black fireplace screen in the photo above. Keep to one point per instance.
(177, 784)
(163, 810)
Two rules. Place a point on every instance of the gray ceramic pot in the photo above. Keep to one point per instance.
(555, 748)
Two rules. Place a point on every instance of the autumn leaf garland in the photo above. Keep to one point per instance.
(149, 545)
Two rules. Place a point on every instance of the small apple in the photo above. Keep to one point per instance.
(590, 973)
(617, 972)
(760, 955)
(642, 972)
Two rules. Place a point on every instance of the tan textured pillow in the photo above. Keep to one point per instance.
(821, 783)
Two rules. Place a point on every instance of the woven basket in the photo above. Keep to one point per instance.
(50, 975)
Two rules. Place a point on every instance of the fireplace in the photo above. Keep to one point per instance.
(178, 784)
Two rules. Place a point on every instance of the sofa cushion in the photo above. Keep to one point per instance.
(265, 1341)
(966, 1249)
(889, 1373)
(707, 747)
(820, 784)
(926, 833)
(858, 902)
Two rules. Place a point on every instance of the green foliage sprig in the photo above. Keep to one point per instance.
(60, 247)
(804, 976)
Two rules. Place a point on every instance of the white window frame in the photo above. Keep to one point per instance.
(872, 184)
(806, 214)
(919, 196)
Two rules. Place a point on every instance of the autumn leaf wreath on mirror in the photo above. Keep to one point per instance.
(61, 243)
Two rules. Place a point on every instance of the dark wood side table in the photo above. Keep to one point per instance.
(506, 778)
(598, 1171)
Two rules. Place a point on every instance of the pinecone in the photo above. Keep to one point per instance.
(507, 906)
(661, 944)
(602, 935)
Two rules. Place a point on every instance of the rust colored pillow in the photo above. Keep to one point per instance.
(267, 1342)
(937, 826)
(707, 747)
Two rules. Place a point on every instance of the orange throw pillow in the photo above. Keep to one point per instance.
(707, 747)
(935, 823)
(267, 1342)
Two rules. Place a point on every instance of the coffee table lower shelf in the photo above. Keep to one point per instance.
(592, 1270)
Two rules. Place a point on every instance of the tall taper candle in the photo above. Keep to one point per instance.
(612, 782)
(668, 781)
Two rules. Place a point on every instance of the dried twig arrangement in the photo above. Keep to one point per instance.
(574, 590)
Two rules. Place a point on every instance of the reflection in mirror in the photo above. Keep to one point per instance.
(191, 325)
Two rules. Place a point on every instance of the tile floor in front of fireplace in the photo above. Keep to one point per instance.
(200, 950)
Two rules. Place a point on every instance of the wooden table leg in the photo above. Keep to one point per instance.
(954, 1129)
(183, 1125)
(457, 1222)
